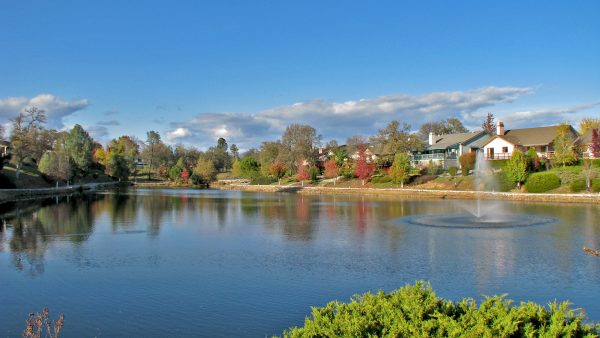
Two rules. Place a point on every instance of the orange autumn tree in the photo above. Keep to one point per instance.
(302, 174)
(332, 170)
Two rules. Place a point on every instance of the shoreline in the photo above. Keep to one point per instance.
(16, 195)
(420, 193)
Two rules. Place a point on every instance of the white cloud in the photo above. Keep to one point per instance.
(340, 119)
(178, 133)
(55, 107)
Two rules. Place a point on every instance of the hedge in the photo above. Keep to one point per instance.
(415, 311)
(542, 182)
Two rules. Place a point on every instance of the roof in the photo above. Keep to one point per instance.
(531, 136)
(586, 138)
(449, 140)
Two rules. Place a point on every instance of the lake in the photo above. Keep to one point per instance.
(209, 263)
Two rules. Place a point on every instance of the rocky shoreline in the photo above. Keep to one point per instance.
(421, 193)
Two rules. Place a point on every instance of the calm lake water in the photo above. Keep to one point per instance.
(192, 263)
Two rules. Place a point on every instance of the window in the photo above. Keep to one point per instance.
(505, 149)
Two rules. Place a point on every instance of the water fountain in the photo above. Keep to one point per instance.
(484, 214)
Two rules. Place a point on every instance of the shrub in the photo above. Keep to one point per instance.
(258, 179)
(313, 173)
(578, 185)
(567, 174)
(416, 311)
(542, 182)
(452, 171)
(424, 179)
(596, 185)
(467, 162)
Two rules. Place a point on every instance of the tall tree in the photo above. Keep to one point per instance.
(148, 154)
(400, 169)
(299, 143)
(395, 139)
(222, 144)
(563, 146)
(516, 167)
(235, 151)
(488, 124)
(588, 123)
(205, 171)
(121, 157)
(354, 142)
(450, 125)
(57, 163)
(27, 131)
(79, 146)
(269, 153)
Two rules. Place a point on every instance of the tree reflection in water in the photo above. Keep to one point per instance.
(33, 228)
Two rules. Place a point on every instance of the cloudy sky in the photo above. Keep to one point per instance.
(243, 70)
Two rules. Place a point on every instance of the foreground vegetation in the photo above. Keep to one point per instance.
(415, 311)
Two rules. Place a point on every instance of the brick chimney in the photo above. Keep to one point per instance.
(430, 139)
(500, 128)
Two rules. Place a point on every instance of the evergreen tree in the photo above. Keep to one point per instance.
(79, 146)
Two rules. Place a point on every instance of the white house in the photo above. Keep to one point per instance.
(501, 146)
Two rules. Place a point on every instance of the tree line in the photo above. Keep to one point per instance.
(299, 153)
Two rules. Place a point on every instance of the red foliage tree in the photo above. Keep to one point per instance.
(331, 169)
(185, 175)
(302, 174)
(364, 169)
(595, 146)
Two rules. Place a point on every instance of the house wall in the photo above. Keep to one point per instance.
(497, 144)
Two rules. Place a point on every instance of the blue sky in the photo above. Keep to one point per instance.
(197, 70)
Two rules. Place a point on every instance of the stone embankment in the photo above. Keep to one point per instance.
(9, 195)
(421, 193)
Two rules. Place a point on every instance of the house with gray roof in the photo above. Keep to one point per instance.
(445, 149)
(502, 145)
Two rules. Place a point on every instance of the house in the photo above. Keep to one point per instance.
(445, 149)
(501, 146)
(4, 149)
(585, 142)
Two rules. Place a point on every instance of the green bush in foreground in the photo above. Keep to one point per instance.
(542, 182)
(415, 311)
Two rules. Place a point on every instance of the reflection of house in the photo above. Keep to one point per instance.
(501, 146)
(446, 149)
(585, 141)
(4, 148)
